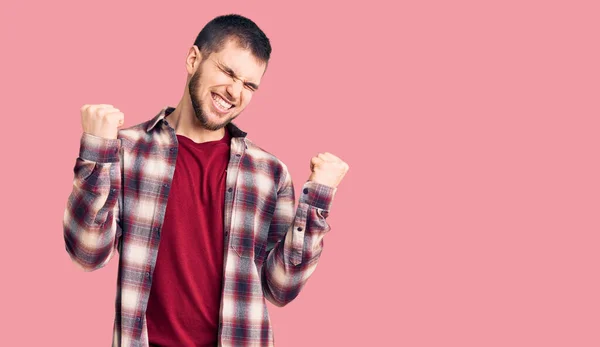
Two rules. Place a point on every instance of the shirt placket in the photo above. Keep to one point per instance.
(161, 200)
(238, 146)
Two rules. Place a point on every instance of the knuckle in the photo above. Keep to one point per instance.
(94, 112)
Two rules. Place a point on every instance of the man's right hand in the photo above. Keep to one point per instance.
(101, 120)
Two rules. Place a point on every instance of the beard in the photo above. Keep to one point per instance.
(197, 104)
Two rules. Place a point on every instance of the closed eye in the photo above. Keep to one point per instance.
(253, 87)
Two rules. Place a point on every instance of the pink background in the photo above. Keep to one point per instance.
(469, 217)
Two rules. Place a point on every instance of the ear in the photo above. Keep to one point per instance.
(193, 59)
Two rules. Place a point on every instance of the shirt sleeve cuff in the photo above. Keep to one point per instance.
(98, 149)
(317, 195)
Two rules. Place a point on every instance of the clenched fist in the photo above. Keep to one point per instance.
(101, 120)
(327, 169)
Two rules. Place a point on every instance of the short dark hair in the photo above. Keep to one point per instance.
(216, 33)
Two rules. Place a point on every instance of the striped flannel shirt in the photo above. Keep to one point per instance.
(118, 202)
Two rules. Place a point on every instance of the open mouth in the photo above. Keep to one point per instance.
(221, 104)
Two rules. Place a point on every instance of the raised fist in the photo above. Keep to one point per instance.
(101, 120)
(327, 169)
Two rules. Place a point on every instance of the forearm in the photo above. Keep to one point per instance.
(292, 261)
(90, 223)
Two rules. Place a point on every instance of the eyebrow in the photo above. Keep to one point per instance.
(232, 73)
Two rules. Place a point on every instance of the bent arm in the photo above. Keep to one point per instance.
(91, 219)
(295, 240)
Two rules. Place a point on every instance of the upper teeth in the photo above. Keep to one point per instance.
(224, 104)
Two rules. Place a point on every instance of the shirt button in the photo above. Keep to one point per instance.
(148, 274)
(113, 190)
(230, 190)
(299, 228)
(238, 155)
(172, 149)
(138, 319)
(305, 191)
(166, 185)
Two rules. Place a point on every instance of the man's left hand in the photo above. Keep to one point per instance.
(327, 169)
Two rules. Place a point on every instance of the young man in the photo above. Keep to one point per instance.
(203, 219)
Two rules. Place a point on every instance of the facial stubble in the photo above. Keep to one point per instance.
(197, 104)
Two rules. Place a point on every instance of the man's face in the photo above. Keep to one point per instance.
(223, 85)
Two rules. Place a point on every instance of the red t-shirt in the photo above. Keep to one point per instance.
(185, 297)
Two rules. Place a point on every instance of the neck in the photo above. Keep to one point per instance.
(184, 121)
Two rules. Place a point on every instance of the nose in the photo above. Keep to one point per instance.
(234, 89)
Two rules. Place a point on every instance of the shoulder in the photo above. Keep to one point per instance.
(135, 133)
(267, 162)
(258, 153)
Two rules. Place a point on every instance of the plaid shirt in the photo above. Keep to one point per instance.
(118, 203)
